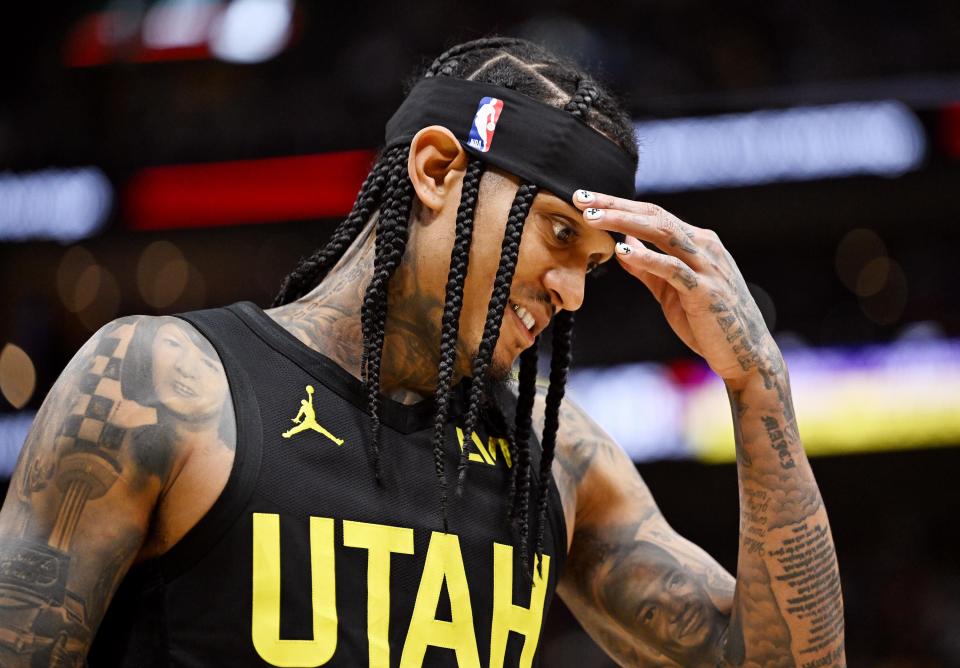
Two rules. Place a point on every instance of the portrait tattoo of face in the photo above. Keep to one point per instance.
(187, 376)
(666, 606)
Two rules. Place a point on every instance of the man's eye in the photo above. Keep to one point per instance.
(647, 615)
(563, 233)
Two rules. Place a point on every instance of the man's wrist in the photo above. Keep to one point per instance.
(768, 376)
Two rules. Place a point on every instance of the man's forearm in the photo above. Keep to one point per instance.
(788, 608)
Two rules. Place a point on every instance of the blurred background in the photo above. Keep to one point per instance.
(161, 156)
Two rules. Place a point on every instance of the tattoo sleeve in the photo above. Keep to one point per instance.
(789, 607)
(645, 594)
(104, 446)
(650, 597)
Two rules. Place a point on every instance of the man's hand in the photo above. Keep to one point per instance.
(787, 607)
(695, 280)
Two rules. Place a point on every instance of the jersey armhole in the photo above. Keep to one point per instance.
(245, 469)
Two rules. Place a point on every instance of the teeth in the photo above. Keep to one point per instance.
(528, 319)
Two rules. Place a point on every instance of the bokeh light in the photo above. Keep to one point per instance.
(73, 266)
(98, 285)
(162, 274)
(18, 377)
(856, 250)
(886, 305)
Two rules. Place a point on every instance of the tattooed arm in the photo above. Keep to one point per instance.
(644, 593)
(91, 490)
(647, 595)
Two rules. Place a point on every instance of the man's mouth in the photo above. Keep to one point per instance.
(183, 390)
(524, 320)
(525, 316)
(690, 621)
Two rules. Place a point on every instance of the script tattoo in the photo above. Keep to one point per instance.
(758, 632)
(119, 413)
(807, 564)
(789, 609)
(778, 442)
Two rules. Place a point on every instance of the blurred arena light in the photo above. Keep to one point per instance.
(14, 428)
(246, 191)
(162, 274)
(950, 129)
(251, 31)
(73, 265)
(173, 24)
(18, 377)
(901, 395)
(101, 297)
(59, 204)
(240, 31)
(858, 248)
(803, 143)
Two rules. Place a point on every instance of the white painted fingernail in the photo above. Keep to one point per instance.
(584, 196)
(593, 214)
(623, 249)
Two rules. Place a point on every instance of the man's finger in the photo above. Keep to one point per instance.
(659, 227)
(637, 258)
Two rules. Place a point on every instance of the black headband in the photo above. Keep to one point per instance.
(544, 145)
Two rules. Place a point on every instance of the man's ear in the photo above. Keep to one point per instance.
(436, 165)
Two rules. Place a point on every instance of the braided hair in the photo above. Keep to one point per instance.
(387, 194)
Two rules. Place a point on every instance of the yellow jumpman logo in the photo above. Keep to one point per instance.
(307, 419)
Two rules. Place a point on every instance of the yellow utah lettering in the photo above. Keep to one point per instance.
(509, 617)
(444, 564)
(380, 541)
(266, 595)
(487, 453)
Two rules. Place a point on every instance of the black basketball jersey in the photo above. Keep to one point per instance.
(305, 560)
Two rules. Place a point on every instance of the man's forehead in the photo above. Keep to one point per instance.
(547, 198)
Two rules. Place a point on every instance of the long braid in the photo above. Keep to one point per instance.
(579, 105)
(450, 321)
(559, 365)
(518, 499)
(509, 250)
(581, 102)
(390, 243)
(310, 270)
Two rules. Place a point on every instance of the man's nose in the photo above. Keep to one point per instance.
(186, 364)
(566, 286)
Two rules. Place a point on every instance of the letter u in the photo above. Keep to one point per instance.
(265, 623)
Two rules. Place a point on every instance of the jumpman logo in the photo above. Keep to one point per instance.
(307, 419)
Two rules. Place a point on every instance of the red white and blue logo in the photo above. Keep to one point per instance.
(485, 123)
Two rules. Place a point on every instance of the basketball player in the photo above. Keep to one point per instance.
(378, 492)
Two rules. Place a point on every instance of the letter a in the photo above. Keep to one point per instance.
(266, 595)
(443, 564)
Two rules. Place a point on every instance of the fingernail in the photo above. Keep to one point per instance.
(593, 214)
(623, 249)
(584, 196)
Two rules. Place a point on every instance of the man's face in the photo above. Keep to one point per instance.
(557, 250)
(666, 606)
(188, 381)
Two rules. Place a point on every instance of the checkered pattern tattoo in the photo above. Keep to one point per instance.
(96, 424)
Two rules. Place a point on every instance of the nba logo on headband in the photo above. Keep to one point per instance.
(485, 123)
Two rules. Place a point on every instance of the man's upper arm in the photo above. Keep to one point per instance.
(80, 500)
(645, 594)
